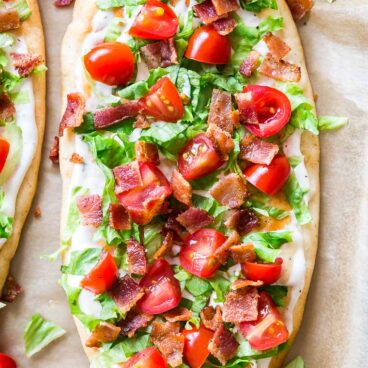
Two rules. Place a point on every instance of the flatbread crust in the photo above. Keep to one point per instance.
(32, 32)
(84, 11)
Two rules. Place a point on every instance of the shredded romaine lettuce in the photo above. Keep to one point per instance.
(81, 262)
(331, 122)
(258, 5)
(296, 363)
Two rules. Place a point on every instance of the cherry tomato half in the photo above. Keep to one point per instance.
(271, 106)
(4, 152)
(268, 330)
(162, 289)
(269, 273)
(156, 21)
(269, 178)
(111, 63)
(208, 46)
(102, 276)
(147, 358)
(198, 158)
(196, 343)
(196, 256)
(7, 362)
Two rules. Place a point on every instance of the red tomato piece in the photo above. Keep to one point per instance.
(268, 330)
(196, 255)
(144, 202)
(102, 276)
(272, 108)
(163, 101)
(198, 158)
(7, 362)
(4, 152)
(162, 289)
(111, 63)
(196, 345)
(147, 358)
(269, 273)
(269, 178)
(156, 21)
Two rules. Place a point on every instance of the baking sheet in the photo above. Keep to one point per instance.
(334, 332)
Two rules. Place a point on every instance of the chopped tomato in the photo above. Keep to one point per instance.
(269, 273)
(156, 21)
(111, 63)
(4, 152)
(102, 276)
(196, 343)
(272, 109)
(7, 362)
(269, 178)
(162, 289)
(144, 202)
(147, 358)
(163, 101)
(268, 330)
(196, 256)
(208, 46)
(198, 158)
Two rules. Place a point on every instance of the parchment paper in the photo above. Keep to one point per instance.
(334, 333)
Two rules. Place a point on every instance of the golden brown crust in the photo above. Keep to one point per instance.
(31, 31)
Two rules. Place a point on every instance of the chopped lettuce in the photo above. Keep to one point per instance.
(9, 82)
(23, 9)
(331, 122)
(81, 262)
(6, 40)
(258, 5)
(114, 29)
(109, 4)
(262, 208)
(296, 363)
(277, 292)
(295, 160)
(221, 286)
(152, 238)
(6, 226)
(185, 31)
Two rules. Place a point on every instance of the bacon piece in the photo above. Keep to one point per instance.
(243, 253)
(277, 47)
(133, 321)
(173, 225)
(137, 260)
(182, 190)
(222, 140)
(141, 122)
(225, 6)
(76, 159)
(25, 63)
(223, 345)
(221, 110)
(146, 152)
(162, 53)
(166, 246)
(126, 292)
(127, 177)
(7, 108)
(250, 63)
(230, 191)
(54, 151)
(247, 109)
(62, 3)
(194, 219)
(118, 217)
(222, 252)
(90, 209)
(11, 290)
(73, 115)
(206, 12)
(280, 70)
(103, 332)
(211, 318)
(257, 151)
(167, 338)
(108, 116)
(37, 213)
(242, 283)
(224, 26)
(243, 221)
(299, 8)
(241, 305)
(179, 314)
(9, 19)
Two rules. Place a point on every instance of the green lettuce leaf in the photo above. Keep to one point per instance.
(81, 262)
(10, 82)
(114, 29)
(109, 4)
(331, 122)
(152, 238)
(295, 160)
(296, 363)
(264, 209)
(185, 31)
(277, 292)
(258, 5)
(221, 286)
(23, 9)
(6, 40)
(6, 226)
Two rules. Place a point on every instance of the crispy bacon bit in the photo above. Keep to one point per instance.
(277, 47)
(223, 345)
(211, 318)
(230, 191)
(242, 283)
(173, 225)
(243, 221)
(133, 321)
(247, 110)
(225, 6)
(111, 115)
(127, 177)
(243, 253)
(37, 212)
(146, 152)
(222, 252)
(179, 314)
(241, 305)
(181, 188)
(162, 53)
(9, 19)
(11, 290)
(299, 8)
(221, 139)
(118, 217)
(90, 208)
(126, 292)
(62, 3)
(141, 122)
(167, 338)
(221, 110)
(25, 63)
(76, 159)
(206, 12)
(257, 151)
(137, 260)
(250, 63)
(166, 246)
(104, 332)
(54, 151)
(73, 115)
(224, 26)
(7, 108)
(280, 70)
(194, 219)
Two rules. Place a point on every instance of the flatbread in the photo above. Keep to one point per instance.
(32, 32)
(79, 28)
